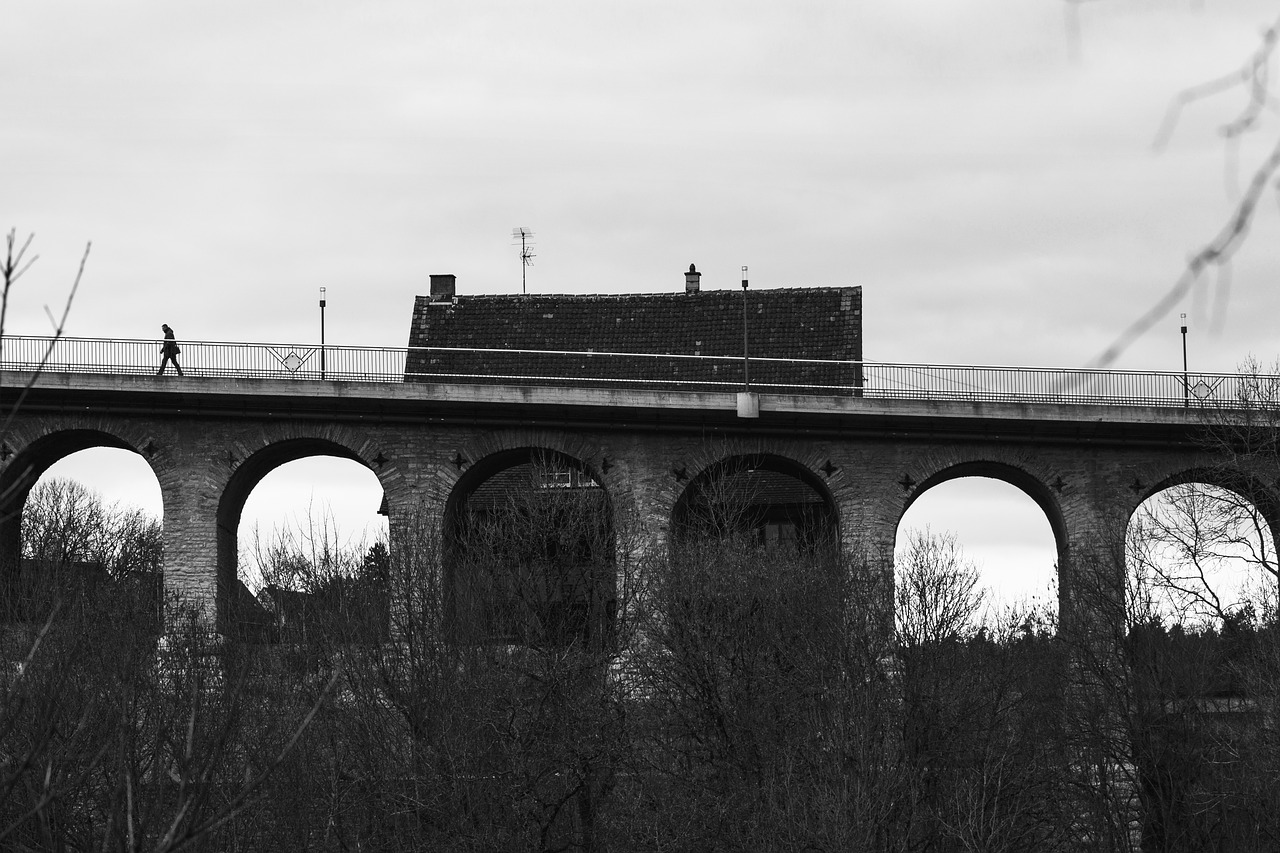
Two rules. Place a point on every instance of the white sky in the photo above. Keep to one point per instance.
(998, 201)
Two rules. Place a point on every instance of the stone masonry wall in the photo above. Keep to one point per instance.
(207, 466)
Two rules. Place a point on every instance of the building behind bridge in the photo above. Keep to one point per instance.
(692, 340)
(800, 341)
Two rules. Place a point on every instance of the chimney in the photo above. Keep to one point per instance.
(442, 287)
(691, 279)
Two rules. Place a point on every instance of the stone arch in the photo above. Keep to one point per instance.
(1230, 478)
(806, 460)
(1016, 476)
(767, 500)
(1244, 483)
(475, 451)
(526, 491)
(606, 467)
(493, 463)
(37, 456)
(1013, 472)
(235, 493)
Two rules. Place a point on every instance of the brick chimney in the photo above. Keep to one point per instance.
(691, 279)
(442, 287)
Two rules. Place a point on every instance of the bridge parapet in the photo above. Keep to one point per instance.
(645, 371)
(336, 400)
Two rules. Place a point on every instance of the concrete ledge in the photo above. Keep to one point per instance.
(182, 392)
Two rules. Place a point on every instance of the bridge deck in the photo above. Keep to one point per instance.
(590, 407)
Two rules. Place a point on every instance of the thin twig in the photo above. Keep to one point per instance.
(169, 844)
(1217, 252)
(59, 326)
(1254, 76)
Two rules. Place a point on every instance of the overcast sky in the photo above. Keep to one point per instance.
(989, 180)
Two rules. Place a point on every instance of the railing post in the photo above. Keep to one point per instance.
(322, 333)
(746, 372)
(1186, 387)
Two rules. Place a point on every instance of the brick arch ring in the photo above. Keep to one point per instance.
(500, 458)
(455, 520)
(1230, 478)
(1020, 478)
(680, 491)
(35, 454)
(480, 454)
(271, 453)
(30, 455)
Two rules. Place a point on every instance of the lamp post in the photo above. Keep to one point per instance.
(1186, 386)
(746, 372)
(748, 401)
(322, 371)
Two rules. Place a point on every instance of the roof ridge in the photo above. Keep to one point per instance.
(673, 294)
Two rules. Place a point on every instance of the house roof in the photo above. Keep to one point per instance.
(791, 323)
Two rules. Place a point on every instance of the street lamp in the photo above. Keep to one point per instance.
(748, 401)
(322, 333)
(1186, 387)
(746, 372)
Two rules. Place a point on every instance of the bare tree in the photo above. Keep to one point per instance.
(480, 701)
(112, 735)
(939, 593)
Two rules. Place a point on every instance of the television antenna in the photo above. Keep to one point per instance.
(525, 238)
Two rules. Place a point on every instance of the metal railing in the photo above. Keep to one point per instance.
(203, 358)
(640, 370)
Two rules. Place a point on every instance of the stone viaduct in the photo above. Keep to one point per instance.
(210, 440)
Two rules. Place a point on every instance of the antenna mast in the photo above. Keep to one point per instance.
(525, 238)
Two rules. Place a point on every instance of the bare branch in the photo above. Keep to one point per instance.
(1217, 253)
(1253, 75)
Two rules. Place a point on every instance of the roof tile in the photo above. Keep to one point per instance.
(787, 323)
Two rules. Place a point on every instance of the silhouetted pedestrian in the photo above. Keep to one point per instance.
(169, 350)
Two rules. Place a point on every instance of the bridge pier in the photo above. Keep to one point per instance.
(868, 529)
(416, 595)
(195, 584)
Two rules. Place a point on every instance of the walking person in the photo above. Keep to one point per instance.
(169, 350)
